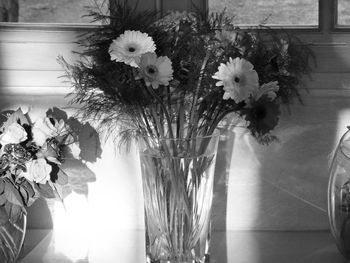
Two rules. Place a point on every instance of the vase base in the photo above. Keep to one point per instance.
(206, 259)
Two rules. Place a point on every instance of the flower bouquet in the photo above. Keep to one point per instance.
(32, 164)
(168, 82)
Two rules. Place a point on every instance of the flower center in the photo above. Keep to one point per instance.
(132, 49)
(260, 112)
(151, 70)
(236, 79)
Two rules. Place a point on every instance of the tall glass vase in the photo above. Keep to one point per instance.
(339, 195)
(177, 177)
(12, 233)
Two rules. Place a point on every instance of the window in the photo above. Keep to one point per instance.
(274, 12)
(48, 11)
(343, 14)
(314, 15)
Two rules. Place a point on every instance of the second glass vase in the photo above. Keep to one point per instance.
(12, 233)
(339, 196)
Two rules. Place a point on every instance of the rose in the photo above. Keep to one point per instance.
(47, 128)
(14, 133)
(38, 171)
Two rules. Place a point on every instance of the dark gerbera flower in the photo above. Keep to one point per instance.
(262, 115)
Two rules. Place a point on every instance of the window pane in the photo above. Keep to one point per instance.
(48, 11)
(343, 12)
(280, 12)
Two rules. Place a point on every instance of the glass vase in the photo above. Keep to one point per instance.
(12, 232)
(339, 195)
(177, 178)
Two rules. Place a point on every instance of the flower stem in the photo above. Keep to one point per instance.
(193, 122)
(166, 114)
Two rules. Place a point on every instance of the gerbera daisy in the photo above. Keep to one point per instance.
(155, 70)
(262, 115)
(129, 47)
(239, 79)
(268, 89)
(226, 37)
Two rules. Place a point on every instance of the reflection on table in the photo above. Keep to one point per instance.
(127, 246)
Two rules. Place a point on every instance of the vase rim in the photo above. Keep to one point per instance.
(216, 133)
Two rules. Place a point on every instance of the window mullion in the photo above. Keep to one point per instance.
(327, 15)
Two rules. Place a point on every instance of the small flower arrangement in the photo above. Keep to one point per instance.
(33, 161)
(180, 75)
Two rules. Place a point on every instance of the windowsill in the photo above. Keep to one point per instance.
(300, 29)
(48, 26)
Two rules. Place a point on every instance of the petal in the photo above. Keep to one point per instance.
(219, 83)
(226, 96)
(155, 85)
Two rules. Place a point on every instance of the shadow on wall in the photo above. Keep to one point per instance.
(294, 172)
(283, 186)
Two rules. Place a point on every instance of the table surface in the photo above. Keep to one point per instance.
(42, 246)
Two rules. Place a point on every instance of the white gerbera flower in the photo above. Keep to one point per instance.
(129, 47)
(239, 79)
(155, 70)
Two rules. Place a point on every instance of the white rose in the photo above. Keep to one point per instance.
(38, 171)
(15, 133)
(44, 129)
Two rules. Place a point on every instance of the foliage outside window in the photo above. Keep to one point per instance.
(343, 14)
(48, 11)
(286, 12)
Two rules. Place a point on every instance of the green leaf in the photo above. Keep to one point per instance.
(4, 217)
(77, 172)
(45, 190)
(62, 178)
(2, 186)
(13, 211)
(16, 116)
(63, 190)
(12, 194)
(81, 189)
(29, 189)
(3, 197)
(24, 195)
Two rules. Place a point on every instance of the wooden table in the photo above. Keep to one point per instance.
(227, 247)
